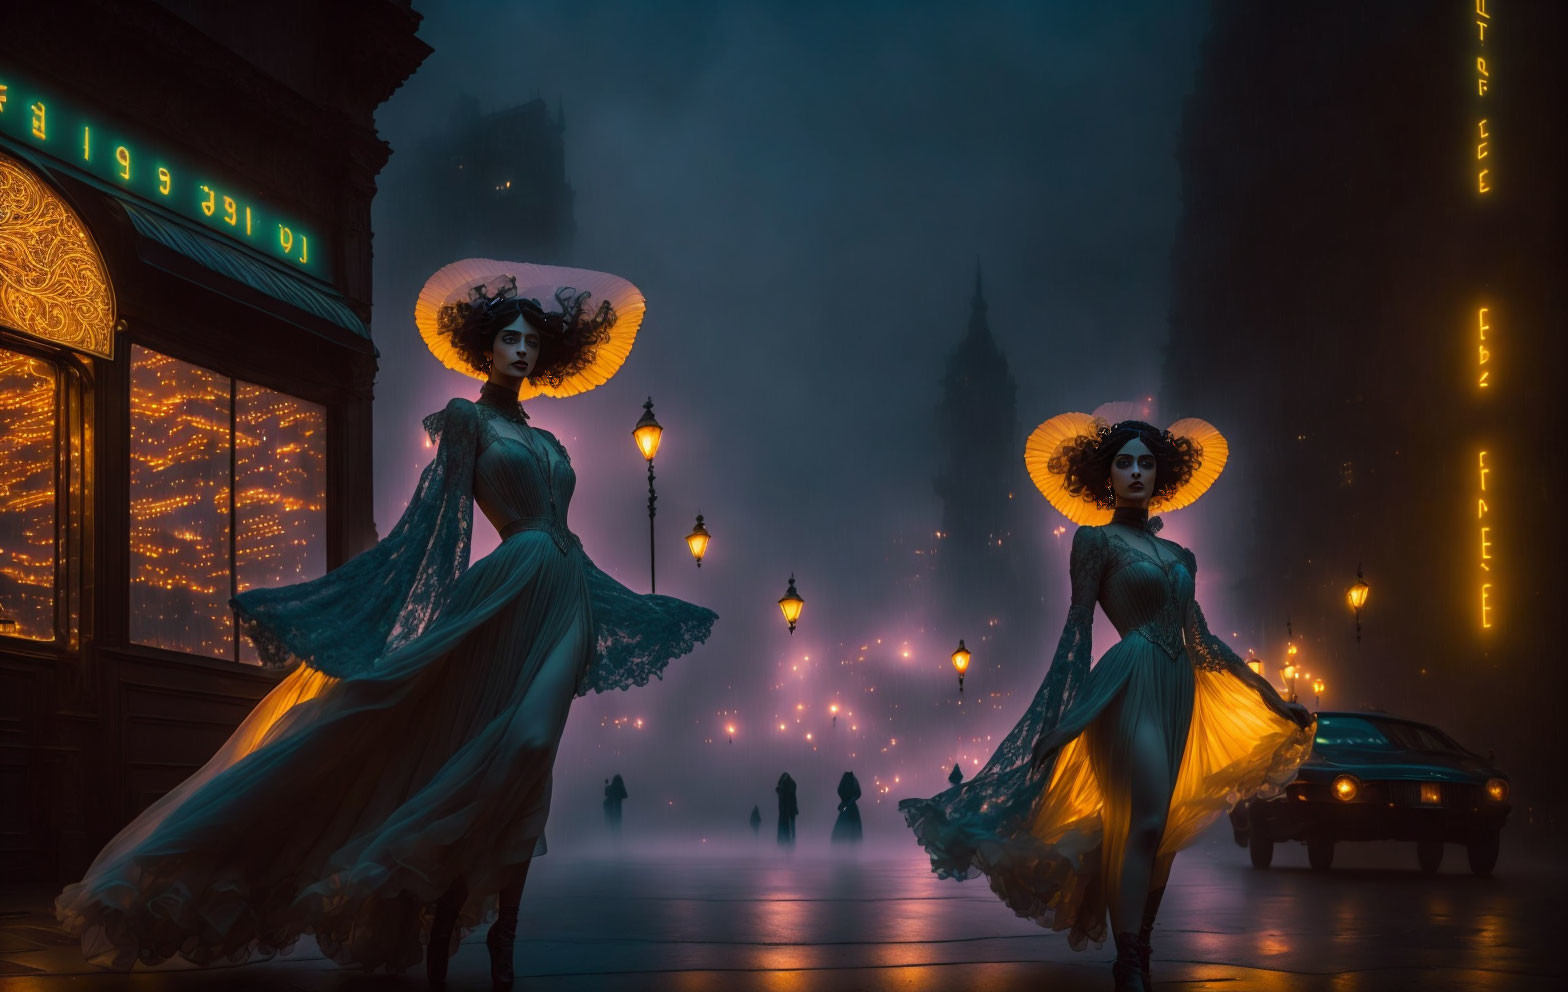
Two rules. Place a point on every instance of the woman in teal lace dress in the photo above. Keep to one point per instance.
(396, 783)
(1115, 768)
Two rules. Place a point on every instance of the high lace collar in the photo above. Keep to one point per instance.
(1136, 517)
(502, 400)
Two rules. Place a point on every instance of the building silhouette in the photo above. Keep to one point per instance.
(1366, 301)
(979, 558)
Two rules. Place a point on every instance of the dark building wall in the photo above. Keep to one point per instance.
(1332, 256)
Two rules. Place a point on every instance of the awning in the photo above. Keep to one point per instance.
(235, 264)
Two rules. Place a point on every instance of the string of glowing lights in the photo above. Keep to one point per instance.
(182, 445)
(27, 496)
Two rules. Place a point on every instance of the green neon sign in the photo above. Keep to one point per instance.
(105, 150)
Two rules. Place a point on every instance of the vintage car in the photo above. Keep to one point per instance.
(1372, 776)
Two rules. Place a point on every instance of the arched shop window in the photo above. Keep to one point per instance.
(227, 493)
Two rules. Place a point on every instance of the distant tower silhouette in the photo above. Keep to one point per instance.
(978, 481)
(495, 185)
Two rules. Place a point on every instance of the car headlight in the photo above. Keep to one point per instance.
(1497, 789)
(1346, 787)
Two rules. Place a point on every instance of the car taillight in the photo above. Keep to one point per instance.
(1346, 787)
(1497, 789)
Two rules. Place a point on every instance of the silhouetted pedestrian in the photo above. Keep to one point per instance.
(756, 821)
(846, 830)
(614, 792)
(956, 775)
(788, 809)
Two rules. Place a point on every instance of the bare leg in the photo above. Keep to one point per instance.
(1149, 798)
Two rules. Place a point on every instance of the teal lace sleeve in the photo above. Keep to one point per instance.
(385, 596)
(636, 636)
(984, 822)
(1212, 653)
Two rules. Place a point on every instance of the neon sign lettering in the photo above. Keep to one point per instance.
(118, 157)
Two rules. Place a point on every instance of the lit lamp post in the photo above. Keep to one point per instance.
(730, 729)
(791, 604)
(1317, 693)
(833, 708)
(647, 434)
(1255, 663)
(961, 663)
(1356, 596)
(1290, 673)
(697, 541)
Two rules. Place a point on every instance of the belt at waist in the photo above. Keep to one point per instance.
(557, 531)
(526, 523)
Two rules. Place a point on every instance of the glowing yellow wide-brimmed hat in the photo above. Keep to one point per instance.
(453, 284)
(1063, 430)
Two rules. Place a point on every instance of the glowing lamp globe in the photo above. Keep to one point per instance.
(1356, 596)
(647, 432)
(1317, 687)
(1256, 664)
(961, 663)
(697, 541)
(791, 604)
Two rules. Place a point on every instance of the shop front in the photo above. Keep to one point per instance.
(185, 392)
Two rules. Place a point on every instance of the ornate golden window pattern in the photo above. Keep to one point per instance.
(227, 492)
(29, 396)
(53, 284)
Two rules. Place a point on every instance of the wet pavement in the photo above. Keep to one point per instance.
(753, 919)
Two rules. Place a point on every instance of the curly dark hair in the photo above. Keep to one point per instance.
(1085, 461)
(569, 338)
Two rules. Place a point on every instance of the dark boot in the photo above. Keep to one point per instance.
(438, 950)
(1151, 908)
(503, 935)
(1126, 969)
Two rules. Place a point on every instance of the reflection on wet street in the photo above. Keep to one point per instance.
(759, 919)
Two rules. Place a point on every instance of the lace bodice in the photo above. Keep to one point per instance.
(522, 484)
(1144, 595)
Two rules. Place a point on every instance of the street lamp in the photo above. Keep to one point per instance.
(1255, 663)
(833, 709)
(791, 604)
(1356, 596)
(961, 663)
(1317, 693)
(647, 434)
(697, 541)
(730, 729)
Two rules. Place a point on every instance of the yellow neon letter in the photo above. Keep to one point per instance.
(1481, 126)
(1484, 471)
(1486, 606)
(1482, 186)
(1480, 86)
(247, 220)
(40, 121)
(2, 98)
(230, 211)
(304, 249)
(122, 155)
(1480, 31)
(285, 239)
(1480, 508)
(1480, 319)
(1480, 8)
(87, 144)
(210, 202)
(163, 180)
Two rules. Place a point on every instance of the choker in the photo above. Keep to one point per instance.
(503, 401)
(1136, 517)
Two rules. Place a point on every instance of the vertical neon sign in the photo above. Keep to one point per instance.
(1481, 338)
